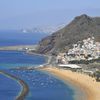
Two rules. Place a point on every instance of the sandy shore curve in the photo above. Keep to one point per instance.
(84, 82)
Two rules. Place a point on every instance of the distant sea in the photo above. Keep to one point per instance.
(12, 37)
(42, 86)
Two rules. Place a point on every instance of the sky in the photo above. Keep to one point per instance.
(18, 14)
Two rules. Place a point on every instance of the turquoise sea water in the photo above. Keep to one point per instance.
(42, 86)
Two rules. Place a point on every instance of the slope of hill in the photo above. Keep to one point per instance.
(80, 28)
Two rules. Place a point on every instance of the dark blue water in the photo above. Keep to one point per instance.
(10, 38)
(11, 59)
(9, 88)
(42, 86)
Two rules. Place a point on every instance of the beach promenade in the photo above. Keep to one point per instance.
(86, 83)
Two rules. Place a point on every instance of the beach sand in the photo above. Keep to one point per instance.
(86, 83)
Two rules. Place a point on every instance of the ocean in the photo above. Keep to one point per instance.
(13, 37)
(12, 59)
(42, 86)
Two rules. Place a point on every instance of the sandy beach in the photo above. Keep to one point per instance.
(82, 81)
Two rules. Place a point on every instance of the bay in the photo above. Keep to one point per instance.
(42, 86)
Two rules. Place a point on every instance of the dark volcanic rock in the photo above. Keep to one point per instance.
(80, 28)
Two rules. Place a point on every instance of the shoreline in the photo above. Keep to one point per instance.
(24, 91)
(83, 82)
(86, 84)
(17, 47)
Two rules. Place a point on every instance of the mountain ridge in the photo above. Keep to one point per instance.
(81, 27)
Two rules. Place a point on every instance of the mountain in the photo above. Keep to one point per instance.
(44, 29)
(52, 29)
(80, 28)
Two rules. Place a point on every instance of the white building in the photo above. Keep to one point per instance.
(88, 49)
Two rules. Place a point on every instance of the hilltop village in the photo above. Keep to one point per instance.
(85, 50)
(84, 57)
